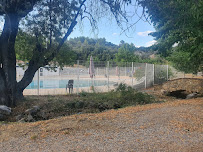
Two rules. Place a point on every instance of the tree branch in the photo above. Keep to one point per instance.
(70, 29)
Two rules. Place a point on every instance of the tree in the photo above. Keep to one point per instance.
(50, 22)
(99, 48)
(126, 53)
(24, 47)
(178, 21)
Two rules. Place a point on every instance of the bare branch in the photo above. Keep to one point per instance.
(140, 17)
(70, 29)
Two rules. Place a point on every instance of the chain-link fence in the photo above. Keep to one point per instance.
(106, 76)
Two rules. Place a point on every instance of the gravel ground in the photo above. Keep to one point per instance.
(170, 126)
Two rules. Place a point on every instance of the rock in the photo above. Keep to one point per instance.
(2, 117)
(164, 92)
(4, 110)
(32, 114)
(21, 120)
(42, 115)
(192, 95)
(79, 113)
(19, 117)
(30, 118)
(32, 111)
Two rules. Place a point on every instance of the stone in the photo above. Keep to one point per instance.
(79, 113)
(30, 118)
(164, 92)
(42, 115)
(32, 114)
(192, 95)
(19, 117)
(21, 120)
(33, 110)
(2, 117)
(4, 110)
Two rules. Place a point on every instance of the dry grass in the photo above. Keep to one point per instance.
(181, 117)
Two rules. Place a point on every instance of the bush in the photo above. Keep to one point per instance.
(121, 97)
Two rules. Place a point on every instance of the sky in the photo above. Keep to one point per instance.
(109, 30)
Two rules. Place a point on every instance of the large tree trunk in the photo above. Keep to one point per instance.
(10, 90)
(28, 77)
(8, 61)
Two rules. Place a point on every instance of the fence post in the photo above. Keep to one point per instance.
(132, 73)
(167, 72)
(78, 62)
(108, 74)
(146, 76)
(125, 68)
(38, 81)
(153, 74)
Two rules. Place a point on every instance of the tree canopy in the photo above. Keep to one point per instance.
(81, 48)
(180, 22)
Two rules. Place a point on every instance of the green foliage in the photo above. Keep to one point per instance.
(55, 106)
(81, 48)
(157, 60)
(183, 25)
(94, 102)
(121, 87)
(100, 49)
(126, 53)
(189, 61)
(123, 96)
(65, 57)
(24, 46)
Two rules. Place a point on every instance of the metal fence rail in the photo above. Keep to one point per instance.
(107, 76)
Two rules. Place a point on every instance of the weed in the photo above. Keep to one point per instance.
(67, 132)
(33, 137)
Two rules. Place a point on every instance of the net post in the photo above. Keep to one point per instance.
(153, 74)
(132, 73)
(146, 76)
(78, 62)
(108, 74)
(38, 81)
(125, 69)
(167, 76)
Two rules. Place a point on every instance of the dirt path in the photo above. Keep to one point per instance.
(170, 126)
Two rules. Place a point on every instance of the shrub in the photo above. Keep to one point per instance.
(95, 102)
(122, 96)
